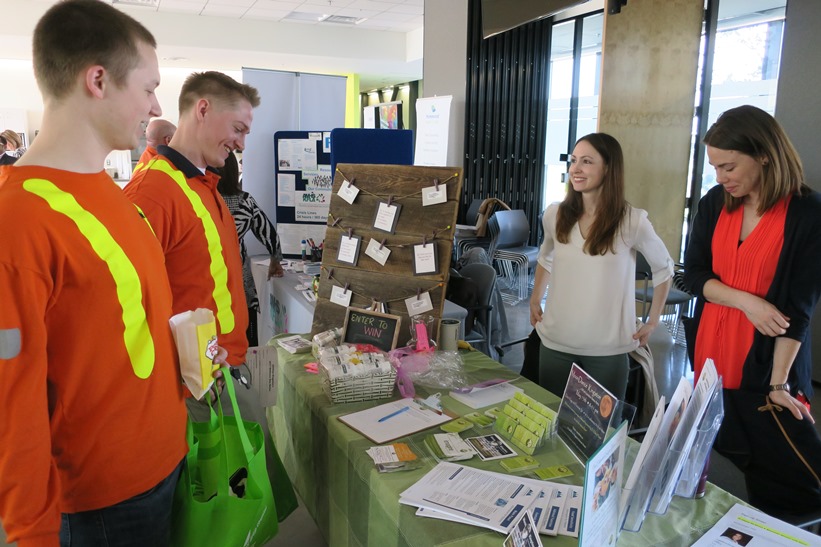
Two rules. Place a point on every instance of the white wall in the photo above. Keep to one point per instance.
(19, 90)
(444, 71)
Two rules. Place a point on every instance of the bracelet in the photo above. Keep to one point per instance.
(780, 387)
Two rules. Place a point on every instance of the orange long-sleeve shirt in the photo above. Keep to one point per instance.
(148, 154)
(93, 410)
(199, 238)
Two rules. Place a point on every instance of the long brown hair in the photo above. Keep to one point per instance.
(753, 132)
(612, 205)
(228, 184)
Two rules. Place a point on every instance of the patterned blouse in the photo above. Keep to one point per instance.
(248, 216)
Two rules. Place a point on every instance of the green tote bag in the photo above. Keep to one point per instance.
(224, 497)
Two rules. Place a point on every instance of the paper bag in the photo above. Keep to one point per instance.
(195, 333)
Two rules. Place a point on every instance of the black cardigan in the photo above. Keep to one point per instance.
(794, 291)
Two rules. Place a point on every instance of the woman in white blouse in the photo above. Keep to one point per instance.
(588, 256)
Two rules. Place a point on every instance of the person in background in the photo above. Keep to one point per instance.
(5, 157)
(589, 258)
(177, 191)
(13, 144)
(92, 433)
(248, 216)
(754, 262)
(158, 132)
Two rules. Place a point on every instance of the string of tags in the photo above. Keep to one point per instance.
(420, 303)
(425, 256)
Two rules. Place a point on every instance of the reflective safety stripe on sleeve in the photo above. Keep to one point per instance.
(136, 333)
(218, 269)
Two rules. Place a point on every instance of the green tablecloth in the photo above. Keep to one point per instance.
(354, 505)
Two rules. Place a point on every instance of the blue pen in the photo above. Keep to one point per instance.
(392, 414)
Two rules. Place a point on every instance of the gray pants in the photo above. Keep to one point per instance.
(611, 371)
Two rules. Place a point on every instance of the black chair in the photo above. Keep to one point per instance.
(484, 277)
(673, 306)
(515, 257)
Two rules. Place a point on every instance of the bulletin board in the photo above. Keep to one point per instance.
(303, 178)
(395, 284)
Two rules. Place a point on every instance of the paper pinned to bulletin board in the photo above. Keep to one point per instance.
(304, 182)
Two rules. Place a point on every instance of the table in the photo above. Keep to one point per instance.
(283, 308)
(354, 505)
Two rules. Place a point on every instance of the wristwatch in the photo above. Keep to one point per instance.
(780, 387)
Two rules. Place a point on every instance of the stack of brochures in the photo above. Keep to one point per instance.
(294, 344)
(494, 500)
(449, 447)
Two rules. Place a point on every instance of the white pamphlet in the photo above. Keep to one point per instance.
(752, 528)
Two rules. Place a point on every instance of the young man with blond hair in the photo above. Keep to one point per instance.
(177, 191)
(92, 435)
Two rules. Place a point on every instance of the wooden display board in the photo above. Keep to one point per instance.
(390, 284)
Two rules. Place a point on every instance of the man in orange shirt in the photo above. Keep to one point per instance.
(92, 434)
(158, 132)
(177, 191)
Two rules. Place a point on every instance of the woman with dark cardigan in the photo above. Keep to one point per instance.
(248, 216)
(754, 262)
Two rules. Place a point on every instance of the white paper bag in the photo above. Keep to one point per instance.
(195, 333)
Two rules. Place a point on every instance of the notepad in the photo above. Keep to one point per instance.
(393, 420)
(487, 396)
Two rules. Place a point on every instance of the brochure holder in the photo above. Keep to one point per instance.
(683, 440)
(705, 435)
(526, 422)
(639, 497)
(658, 438)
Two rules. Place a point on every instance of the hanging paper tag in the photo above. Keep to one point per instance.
(341, 296)
(349, 249)
(420, 304)
(386, 216)
(433, 195)
(348, 192)
(424, 259)
(380, 255)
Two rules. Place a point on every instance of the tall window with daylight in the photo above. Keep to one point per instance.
(573, 101)
(746, 60)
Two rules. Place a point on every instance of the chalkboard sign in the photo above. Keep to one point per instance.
(371, 327)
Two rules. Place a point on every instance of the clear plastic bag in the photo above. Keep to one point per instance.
(430, 369)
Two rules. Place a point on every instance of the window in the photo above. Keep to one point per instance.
(746, 56)
(573, 102)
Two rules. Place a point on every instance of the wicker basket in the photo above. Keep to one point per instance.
(358, 388)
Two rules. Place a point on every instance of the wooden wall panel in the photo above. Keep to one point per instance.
(650, 60)
(395, 281)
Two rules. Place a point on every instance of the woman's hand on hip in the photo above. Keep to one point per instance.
(644, 332)
(535, 313)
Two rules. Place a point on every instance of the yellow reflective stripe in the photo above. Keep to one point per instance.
(145, 218)
(137, 336)
(218, 269)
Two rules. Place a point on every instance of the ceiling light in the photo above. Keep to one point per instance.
(342, 20)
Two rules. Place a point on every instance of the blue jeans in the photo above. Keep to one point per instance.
(140, 521)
